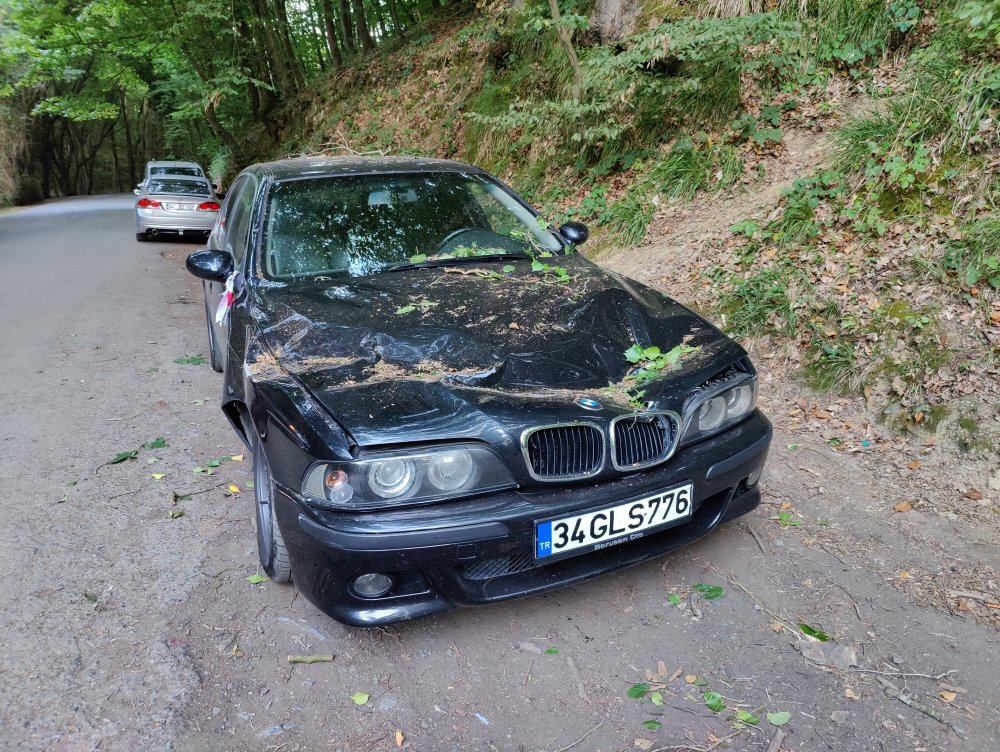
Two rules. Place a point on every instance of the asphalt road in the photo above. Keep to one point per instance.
(127, 627)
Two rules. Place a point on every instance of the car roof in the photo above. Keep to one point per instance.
(181, 178)
(168, 163)
(302, 167)
(192, 178)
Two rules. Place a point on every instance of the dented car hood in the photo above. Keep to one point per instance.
(440, 352)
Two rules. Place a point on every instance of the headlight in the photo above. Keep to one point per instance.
(719, 408)
(450, 471)
(711, 414)
(391, 479)
(379, 479)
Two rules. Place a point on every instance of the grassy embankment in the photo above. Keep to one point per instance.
(882, 268)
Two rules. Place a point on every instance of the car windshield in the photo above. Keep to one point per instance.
(192, 171)
(360, 225)
(184, 187)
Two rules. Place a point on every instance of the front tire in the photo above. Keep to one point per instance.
(270, 544)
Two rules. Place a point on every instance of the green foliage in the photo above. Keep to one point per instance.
(975, 256)
(639, 92)
(816, 634)
(747, 128)
(982, 20)
(714, 702)
(637, 691)
(191, 360)
(798, 221)
(760, 301)
(850, 34)
(904, 15)
(692, 165)
(651, 362)
(780, 718)
(709, 592)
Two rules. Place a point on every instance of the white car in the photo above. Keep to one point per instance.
(175, 205)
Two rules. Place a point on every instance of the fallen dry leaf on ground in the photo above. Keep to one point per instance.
(903, 506)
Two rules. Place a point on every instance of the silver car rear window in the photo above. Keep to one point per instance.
(194, 172)
(185, 187)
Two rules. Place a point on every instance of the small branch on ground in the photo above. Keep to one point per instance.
(757, 540)
(777, 739)
(570, 746)
(695, 748)
(895, 693)
(125, 493)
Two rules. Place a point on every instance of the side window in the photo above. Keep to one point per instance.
(230, 203)
(239, 218)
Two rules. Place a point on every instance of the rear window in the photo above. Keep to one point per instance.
(194, 172)
(184, 187)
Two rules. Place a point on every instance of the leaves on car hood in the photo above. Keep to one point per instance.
(473, 339)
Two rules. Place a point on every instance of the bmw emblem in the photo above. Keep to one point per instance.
(587, 403)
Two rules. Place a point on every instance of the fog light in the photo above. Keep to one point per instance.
(752, 479)
(372, 585)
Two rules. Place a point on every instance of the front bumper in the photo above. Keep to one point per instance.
(482, 550)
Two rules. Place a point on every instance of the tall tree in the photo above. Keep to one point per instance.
(364, 36)
(331, 33)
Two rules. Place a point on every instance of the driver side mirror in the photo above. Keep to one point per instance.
(136, 191)
(214, 266)
(575, 232)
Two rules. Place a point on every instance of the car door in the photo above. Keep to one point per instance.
(231, 236)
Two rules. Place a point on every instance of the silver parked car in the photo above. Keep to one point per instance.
(175, 205)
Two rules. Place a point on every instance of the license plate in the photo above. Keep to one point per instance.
(179, 207)
(613, 525)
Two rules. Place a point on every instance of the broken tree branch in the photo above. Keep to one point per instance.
(895, 693)
(776, 740)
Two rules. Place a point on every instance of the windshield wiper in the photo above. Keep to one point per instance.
(432, 262)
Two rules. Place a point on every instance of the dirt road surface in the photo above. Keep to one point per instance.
(126, 627)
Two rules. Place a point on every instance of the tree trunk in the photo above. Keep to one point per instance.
(383, 33)
(284, 35)
(235, 148)
(364, 37)
(566, 39)
(346, 28)
(397, 27)
(130, 151)
(331, 34)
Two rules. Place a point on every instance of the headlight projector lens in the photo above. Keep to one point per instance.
(738, 400)
(711, 414)
(450, 471)
(391, 479)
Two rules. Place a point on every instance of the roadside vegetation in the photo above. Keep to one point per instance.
(883, 268)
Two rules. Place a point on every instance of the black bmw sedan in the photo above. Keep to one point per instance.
(446, 404)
